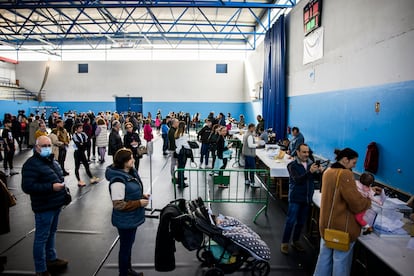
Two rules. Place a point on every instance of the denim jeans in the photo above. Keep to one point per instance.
(297, 213)
(204, 153)
(126, 241)
(165, 142)
(334, 262)
(44, 240)
(250, 164)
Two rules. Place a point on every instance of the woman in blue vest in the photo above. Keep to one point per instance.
(125, 187)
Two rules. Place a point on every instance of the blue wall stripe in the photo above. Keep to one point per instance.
(347, 118)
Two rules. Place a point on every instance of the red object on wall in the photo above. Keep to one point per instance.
(9, 60)
(372, 158)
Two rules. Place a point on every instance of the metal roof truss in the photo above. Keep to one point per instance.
(91, 24)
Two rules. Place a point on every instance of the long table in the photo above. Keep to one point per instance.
(392, 251)
(277, 167)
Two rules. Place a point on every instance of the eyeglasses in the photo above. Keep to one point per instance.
(45, 146)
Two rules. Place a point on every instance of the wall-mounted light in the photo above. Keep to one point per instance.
(377, 107)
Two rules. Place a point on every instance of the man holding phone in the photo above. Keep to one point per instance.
(301, 176)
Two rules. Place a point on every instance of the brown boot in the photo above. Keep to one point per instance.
(58, 263)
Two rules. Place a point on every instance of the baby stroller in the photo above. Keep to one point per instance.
(226, 245)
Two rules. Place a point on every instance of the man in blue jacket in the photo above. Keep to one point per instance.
(42, 179)
(301, 173)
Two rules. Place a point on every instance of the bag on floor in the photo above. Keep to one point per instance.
(336, 239)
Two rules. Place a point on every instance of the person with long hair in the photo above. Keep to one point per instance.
(181, 143)
(340, 200)
(132, 142)
(129, 202)
(223, 152)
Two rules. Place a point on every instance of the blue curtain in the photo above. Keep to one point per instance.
(274, 83)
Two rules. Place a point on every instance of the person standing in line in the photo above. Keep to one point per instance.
(87, 129)
(296, 141)
(148, 136)
(8, 148)
(80, 139)
(101, 134)
(129, 202)
(222, 152)
(42, 179)
(171, 145)
(42, 131)
(212, 142)
(132, 142)
(249, 153)
(301, 177)
(33, 126)
(164, 135)
(115, 141)
(158, 123)
(181, 143)
(16, 129)
(63, 136)
(347, 202)
(203, 136)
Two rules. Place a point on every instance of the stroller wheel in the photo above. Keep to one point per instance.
(203, 254)
(260, 268)
(214, 271)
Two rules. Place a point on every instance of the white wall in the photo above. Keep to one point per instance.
(167, 81)
(375, 37)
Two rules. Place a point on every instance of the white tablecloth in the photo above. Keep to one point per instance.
(277, 167)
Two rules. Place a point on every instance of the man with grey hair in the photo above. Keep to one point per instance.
(43, 180)
(115, 141)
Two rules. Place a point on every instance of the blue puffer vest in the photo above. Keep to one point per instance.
(133, 191)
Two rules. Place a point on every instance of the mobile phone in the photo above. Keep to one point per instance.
(318, 162)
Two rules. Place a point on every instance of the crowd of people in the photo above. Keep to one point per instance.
(122, 135)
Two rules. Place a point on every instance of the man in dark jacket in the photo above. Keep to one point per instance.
(42, 179)
(301, 173)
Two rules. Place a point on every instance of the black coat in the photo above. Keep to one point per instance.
(114, 143)
(38, 176)
(164, 243)
(4, 207)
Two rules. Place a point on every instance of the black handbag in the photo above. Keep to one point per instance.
(68, 196)
(193, 144)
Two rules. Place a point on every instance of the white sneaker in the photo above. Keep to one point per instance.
(7, 172)
(13, 172)
(255, 185)
(247, 182)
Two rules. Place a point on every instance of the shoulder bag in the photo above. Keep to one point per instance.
(10, 196)
(336, 239)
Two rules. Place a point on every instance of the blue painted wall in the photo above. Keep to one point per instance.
(10, 106)
(204, 108)
(347, 118)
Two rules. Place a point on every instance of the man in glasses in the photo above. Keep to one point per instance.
(42, 179)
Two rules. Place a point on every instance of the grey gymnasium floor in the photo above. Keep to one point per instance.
(88, 240)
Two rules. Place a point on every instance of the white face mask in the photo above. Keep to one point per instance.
(45, 152)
